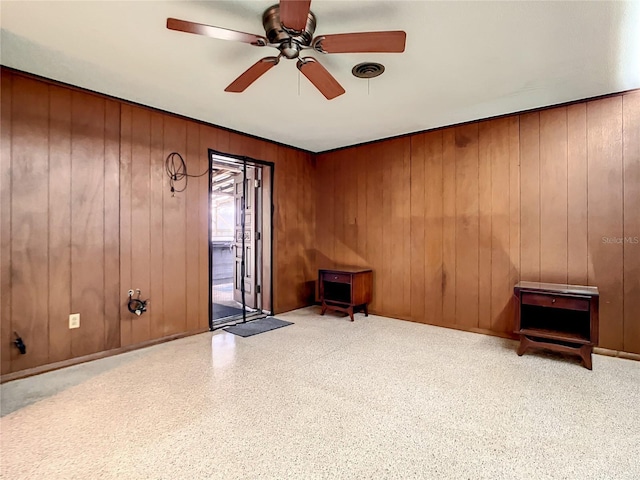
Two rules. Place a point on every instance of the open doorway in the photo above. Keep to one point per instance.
(240, 237)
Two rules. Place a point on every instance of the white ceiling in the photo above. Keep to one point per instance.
(463, 61)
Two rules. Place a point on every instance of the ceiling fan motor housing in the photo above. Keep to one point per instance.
(289, 40)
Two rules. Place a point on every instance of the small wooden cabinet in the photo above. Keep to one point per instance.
(558, 317)
(345, 289)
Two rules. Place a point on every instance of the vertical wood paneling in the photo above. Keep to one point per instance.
(222, 139)
(324, 215)
(486, 143)
(577, 194)
(290, 224)
(92, 216)
(418, 208)
(449, 227)
(192, 221)
(307, 225)
(386, 281)
(293, 256)
(278, 225)
(112, 297)
(350, 238)
(553, 195)
(6, 134)
(299, 269)
(396, 241)
(361, 187)
(433, 235)
(158, 185)
(87, 222)
(277, 222)
(503, 204)
(374, 225)
(604, 146)
(500, 283)
(292, 188)
(207, 141)
(29, 221)
(287, 222)
(530, 196)
(174, 241)
(467, 241)
(395, 208)
(340, 217)
(329, 187)
(126, 117)
(297, 272)
(514, 218)
(269, 271)
(271, 154)
(403, 266)
(631, 227)
(59, 223)
(140, 218)
(404, 207)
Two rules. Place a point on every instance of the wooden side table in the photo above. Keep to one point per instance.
(345, 289)
(558, 317)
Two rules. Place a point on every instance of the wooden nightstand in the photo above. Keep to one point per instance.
(558, 317)
(345, 289)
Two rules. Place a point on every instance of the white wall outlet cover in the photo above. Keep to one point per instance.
(74, 320)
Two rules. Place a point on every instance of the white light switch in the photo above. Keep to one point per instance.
(74, 320)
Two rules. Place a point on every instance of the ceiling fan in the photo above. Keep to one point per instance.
(289, 26)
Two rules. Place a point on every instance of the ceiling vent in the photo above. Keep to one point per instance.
(367, 70)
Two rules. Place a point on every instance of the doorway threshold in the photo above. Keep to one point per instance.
(237, 318)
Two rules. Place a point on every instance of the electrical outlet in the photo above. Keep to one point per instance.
(74, 320)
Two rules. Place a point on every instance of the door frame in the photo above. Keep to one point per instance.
(267, 209)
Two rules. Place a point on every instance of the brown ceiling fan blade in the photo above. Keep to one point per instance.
(254, 72)
(215, 32)
(294, 13)
(370, 42)
(320, 77)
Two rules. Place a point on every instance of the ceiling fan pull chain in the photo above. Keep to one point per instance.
(298, 82)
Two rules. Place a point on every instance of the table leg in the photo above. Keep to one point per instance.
(585, 353)
(351, 312)
(524, 344)
(366, 310)
(324, 308)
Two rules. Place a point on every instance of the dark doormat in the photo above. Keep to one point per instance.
(223, 311)
(257, 326)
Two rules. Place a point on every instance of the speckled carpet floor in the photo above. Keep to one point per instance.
(327, 398)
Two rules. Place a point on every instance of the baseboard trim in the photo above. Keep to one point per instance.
(108, 353)
(597, 350)
(617, 353)
(29, 372)
(461, 328)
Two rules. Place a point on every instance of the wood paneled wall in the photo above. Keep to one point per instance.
(451, 219)
(86, 214)
(60, 249)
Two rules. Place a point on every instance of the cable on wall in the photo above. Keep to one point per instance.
(176, 169)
